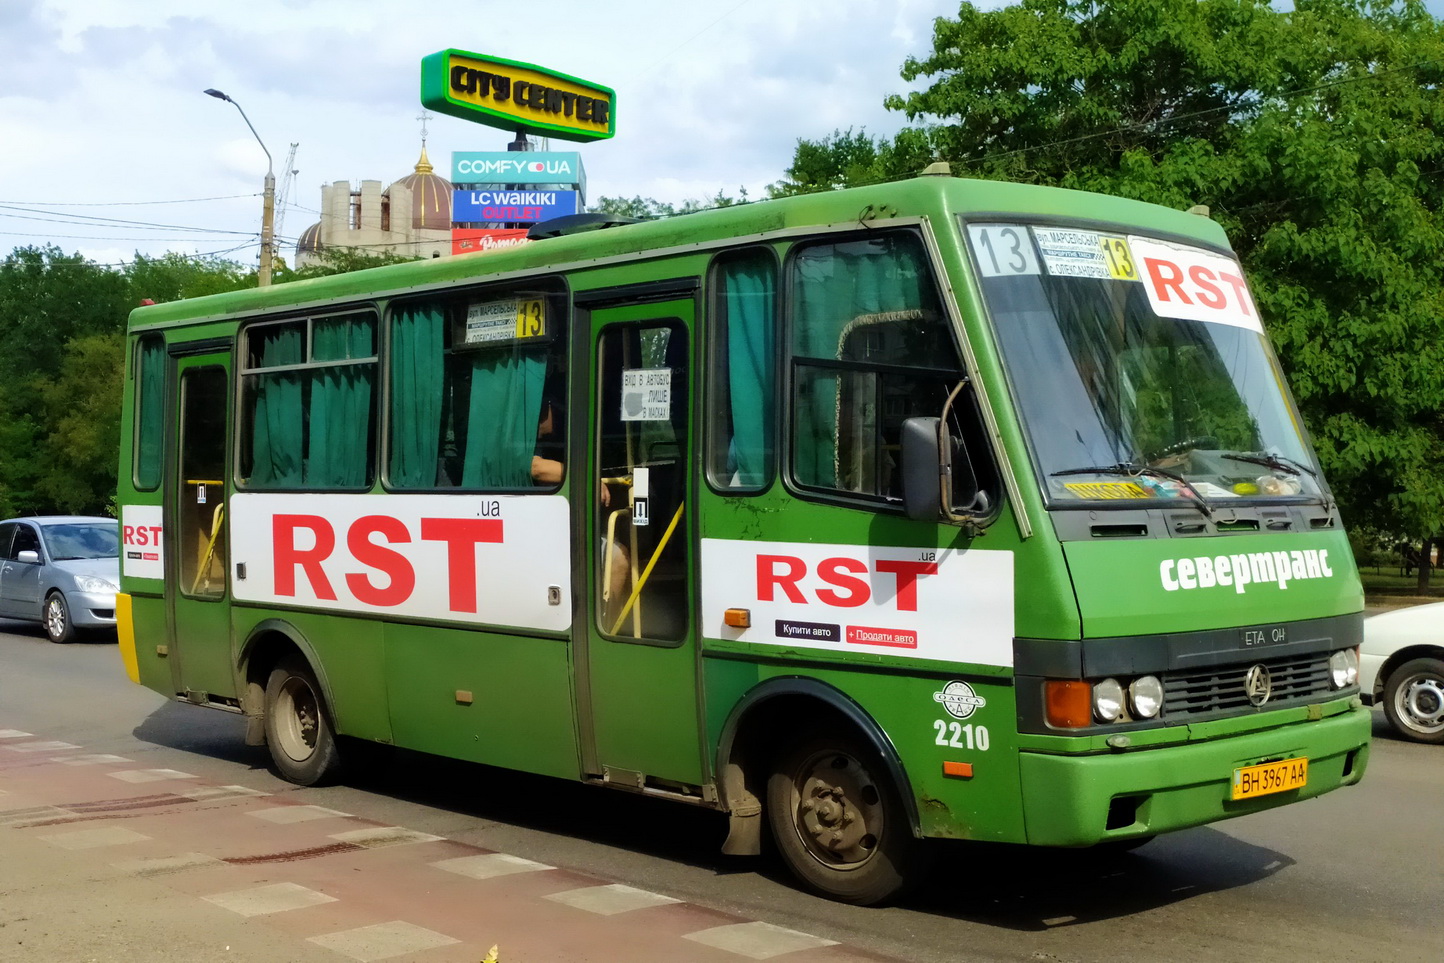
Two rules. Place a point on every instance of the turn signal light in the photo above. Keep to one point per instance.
(737, 618)
(1069, 703)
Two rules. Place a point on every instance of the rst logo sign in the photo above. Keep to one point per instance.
(1194, 284)
(916, 603)
(142, 541)
(470, 558)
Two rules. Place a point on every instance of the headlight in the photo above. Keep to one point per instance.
(1145, 696)
(89, 583)
(1107, 700)
(1344, 668)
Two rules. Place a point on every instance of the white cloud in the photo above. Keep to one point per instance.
(100, 100)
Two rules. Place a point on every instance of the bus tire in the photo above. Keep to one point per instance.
(838, 821)
(298, 725)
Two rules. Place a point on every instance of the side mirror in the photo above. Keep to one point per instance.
(922, 467)
(28, 555)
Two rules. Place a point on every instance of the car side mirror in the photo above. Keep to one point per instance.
(28, 555)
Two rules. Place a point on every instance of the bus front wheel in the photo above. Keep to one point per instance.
(298, 726)
(838, 821)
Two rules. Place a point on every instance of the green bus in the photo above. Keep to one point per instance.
(934, 509)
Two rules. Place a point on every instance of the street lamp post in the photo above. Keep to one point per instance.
(268, 209)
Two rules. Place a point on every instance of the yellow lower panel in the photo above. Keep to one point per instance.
(125, 632)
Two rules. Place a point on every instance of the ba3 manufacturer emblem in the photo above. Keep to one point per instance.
(959, 699)
(1258, 685)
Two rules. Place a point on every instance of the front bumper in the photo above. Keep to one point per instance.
(1080, 800)
(92, 610)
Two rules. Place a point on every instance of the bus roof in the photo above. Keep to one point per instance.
(936, 196)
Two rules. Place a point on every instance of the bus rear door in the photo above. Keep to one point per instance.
(198, 615)
(638, 694)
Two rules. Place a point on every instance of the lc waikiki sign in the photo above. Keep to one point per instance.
(516, 96)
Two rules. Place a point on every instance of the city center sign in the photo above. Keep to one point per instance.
(516, 96)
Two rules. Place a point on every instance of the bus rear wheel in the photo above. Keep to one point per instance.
(298, 725)
(838, 821)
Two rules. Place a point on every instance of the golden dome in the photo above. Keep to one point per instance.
(310, 240)
(430, 196)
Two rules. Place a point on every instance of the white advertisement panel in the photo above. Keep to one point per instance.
(918, 603)
(142, 541)
(1188, 282)
(495, 559)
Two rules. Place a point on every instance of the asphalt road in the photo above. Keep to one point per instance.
(1352, 876)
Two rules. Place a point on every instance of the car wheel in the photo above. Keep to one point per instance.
(57, 618)
(1414, 700)
(839, 823)
(298, 725)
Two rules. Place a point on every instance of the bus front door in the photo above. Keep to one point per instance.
(198, 617)
(639, 695)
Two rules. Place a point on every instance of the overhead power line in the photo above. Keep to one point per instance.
(79, 219)
(185, 200)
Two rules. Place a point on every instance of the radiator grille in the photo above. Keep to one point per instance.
(1219, 690)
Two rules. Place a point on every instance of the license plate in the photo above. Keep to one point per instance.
(1270, 777)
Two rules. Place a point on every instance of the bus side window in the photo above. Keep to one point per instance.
(741, 393)
(308, 403)
(149, 411)
(870, 347)
(477, 397)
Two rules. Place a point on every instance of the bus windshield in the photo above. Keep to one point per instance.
(1140, 368)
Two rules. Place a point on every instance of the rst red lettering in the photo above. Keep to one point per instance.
(1166, 275)
(390, 563)
(768, 578)
(1208, 293)
(288, 556)
(834, 571)
(1240, 291)
(907, 579)
(461, 536)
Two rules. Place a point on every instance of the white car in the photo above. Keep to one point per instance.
(1401, 666)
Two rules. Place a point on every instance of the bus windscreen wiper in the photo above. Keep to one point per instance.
(1124, 468)
(1276, 462)
(1285, 464)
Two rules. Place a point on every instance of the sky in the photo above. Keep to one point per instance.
(108, 146)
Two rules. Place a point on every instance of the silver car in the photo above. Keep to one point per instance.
(1401, 667)
(60, 570)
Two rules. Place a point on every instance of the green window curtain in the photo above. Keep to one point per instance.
(418, 370)
(338, 453)
(501, 434)
(749, 289)
(834, 285)
(150, 413)
(277, 421)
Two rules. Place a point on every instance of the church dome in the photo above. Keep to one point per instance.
(430, 196)
(310, 240)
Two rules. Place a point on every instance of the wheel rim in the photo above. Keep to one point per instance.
(1419, 702)
(55, 617)
(297, 719)
(837, 809)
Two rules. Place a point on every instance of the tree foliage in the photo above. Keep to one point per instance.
(62, 355)
(1315, 135)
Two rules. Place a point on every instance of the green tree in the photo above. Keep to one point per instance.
(1315, 135)
(649, 208)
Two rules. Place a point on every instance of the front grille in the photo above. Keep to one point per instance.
(1219, 690)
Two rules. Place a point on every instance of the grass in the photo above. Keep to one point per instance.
(1383, 581)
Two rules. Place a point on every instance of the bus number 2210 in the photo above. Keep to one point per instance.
(959, 736)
